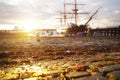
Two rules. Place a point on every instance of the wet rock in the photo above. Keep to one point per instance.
(102, 63)
(32, 78)
(81, 68)
(55, 73)
(72, 67)
(10, 76)
(26, 75)
(92, 78)
(68, 51)
(115, 75)
(107, 69)
(77, 74)
(95, 76)
(87, 78)
(99, 76)
(65, 65)
(6, 52)
(51, 73)
(1, 73)
(4, 55)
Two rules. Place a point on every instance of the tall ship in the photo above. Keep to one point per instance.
(73, 28)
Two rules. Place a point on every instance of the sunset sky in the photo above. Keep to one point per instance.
(43, 13)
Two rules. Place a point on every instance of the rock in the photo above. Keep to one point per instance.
(65, 65)
(95, 76)
(104, 70)
(55, 74)
(103, 63)
(77, 74)
(52, 73)
(80, 68)
(2, 73)
(10, 76)
(7, 52)
(72, 67)
(99, 76)
(107, 69)
(68, 51)
(115, 75)
(26, 75)
(61, 77)
(87, 78)
(32, 78)
(95, 66)
(92, 78)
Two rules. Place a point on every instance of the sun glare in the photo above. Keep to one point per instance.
(28, 26)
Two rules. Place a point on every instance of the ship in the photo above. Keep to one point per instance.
(74, 28)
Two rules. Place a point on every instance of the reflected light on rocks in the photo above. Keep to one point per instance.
(35, 69)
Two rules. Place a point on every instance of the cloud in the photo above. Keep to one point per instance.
(116, 12)
(96, 4)
(41, 11)
(13, 10)
(104, 23)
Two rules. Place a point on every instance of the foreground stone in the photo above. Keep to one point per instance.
(94, 76)
(9, 76)
(77, 74)
(107, 69)
(115, 75)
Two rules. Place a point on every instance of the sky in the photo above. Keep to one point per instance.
(43, 13)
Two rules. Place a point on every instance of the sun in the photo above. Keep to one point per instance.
(28, 26)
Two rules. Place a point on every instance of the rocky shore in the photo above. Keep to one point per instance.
(67, 58)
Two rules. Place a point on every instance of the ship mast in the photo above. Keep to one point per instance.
(65, 16)
(75, 10)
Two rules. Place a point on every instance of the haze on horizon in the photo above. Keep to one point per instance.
(43, 13)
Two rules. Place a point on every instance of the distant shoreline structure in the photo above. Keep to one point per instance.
(113, 31)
